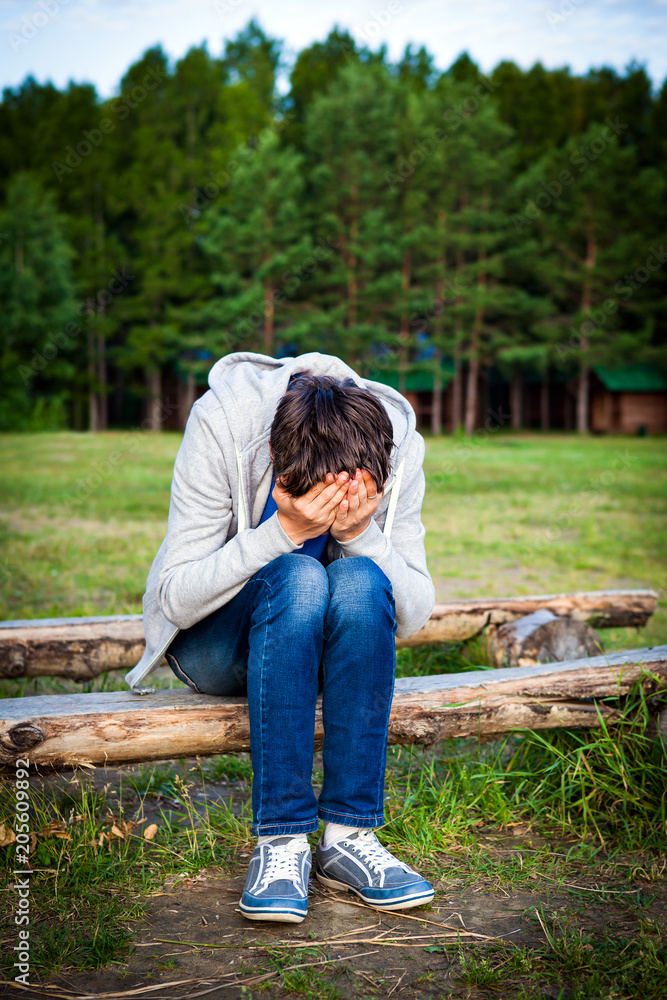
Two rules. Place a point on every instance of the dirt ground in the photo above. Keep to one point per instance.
(174, 950)
(194, 942)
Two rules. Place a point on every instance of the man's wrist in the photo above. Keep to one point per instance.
(358, 529)
(289, 530)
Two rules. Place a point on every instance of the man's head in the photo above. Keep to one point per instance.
(323, 424)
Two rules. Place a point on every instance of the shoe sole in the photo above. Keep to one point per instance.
(403, 903)
(281, 916)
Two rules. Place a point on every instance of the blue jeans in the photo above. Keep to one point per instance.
(295, 622)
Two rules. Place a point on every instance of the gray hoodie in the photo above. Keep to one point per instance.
(222, 479)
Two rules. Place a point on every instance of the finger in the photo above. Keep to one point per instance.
(332, 495)
(353, 494)
(363, 491)
(317, 488)
(371, 486)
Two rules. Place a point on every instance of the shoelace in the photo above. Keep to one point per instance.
(372, 853)
(284, 862)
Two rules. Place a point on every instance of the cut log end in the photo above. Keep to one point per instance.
(542, 638)
(18, 740)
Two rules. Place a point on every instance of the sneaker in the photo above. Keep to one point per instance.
(360, 864)
(276, 886)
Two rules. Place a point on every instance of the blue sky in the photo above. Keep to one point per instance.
(96, 40)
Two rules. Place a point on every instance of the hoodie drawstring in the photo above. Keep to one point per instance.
(242, 520)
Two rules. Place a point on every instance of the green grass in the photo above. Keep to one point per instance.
(90, 885)
(543, 514)
(604, 785)
(81, 517)
(593, 966)
(500, 519)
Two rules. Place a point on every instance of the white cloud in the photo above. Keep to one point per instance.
(96, 40)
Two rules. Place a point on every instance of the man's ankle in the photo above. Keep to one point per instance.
(336, 831)
(280, 836)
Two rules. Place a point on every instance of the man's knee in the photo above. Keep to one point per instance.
(301, 578)
(357, 579)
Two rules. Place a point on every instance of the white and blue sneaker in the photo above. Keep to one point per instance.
(360, 864)
(276, 886)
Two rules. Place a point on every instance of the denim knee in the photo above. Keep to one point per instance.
(301, 580)
(358, 580)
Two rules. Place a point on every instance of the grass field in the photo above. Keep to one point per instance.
(82, 516)
(562, 833)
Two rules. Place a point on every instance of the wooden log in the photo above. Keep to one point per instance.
(76, 648)
(456, 621)
(82, 648)
(58, 732)
(542, 637)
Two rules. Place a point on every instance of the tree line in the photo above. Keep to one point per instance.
(405, 218)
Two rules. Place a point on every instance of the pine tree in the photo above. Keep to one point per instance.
(351, 152)
(581, 189)
(38, 335)
(259, 249)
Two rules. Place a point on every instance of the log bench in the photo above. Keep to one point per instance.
(61, 732)
(560, 627)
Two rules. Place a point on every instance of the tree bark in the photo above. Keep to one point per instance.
(457, 393)
(439, 322)
(102, 397)
(541, 637)
(544, 403)
(67, 731)
(583, 423)
(269, 316)
(475, 336)
(516, 404)
(436, 410)
(102, 403)
(154, 405)
(93, 411)
(82, 648)
(582, 400)
(186, 398)
(471, 396)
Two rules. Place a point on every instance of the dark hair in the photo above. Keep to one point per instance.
(323, 424)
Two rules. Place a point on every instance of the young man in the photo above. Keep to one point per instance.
(294, 554)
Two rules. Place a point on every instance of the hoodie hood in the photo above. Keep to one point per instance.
(208, 555)
(249, 387)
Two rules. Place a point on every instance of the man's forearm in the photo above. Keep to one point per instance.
(188, 591)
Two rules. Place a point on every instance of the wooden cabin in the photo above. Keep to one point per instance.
(631, 400)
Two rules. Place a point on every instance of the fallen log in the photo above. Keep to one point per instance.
(58, 732)
(542, 637)
(456, 621)
(82, 648)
